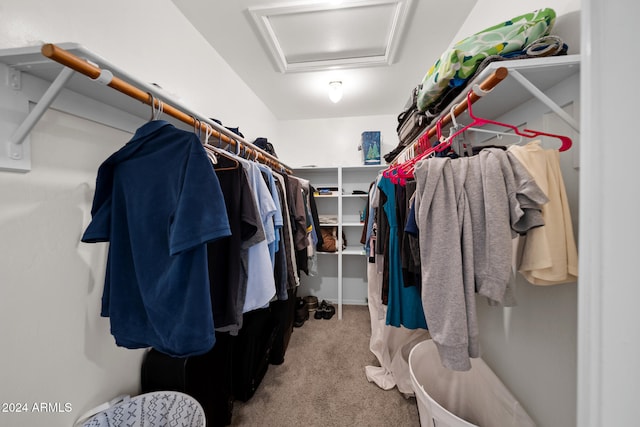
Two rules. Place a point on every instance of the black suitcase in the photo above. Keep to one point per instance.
(251, 352)
(413, 125)
(208, 378)
(411, 122)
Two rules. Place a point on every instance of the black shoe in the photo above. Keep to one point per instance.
(329, 311)
(319, 314)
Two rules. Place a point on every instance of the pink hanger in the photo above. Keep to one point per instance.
(399, 173)
(528, 133)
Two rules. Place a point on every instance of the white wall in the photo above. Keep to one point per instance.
(609, 373)
(332, 142)
(56, 348)
(532, 347)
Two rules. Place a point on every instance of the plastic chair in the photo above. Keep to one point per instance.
(156, 409)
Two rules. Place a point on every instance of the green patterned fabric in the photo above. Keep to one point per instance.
(457, 64)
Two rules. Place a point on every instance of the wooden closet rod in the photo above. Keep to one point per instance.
(70, 60)
(487, 84)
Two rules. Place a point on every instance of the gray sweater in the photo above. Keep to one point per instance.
(467, 210)
(446, 255)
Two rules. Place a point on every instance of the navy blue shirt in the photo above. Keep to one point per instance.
(158, 202)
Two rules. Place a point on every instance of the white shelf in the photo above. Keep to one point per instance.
(527, 79)
(331, 276)
(354, 251)
(306, 169)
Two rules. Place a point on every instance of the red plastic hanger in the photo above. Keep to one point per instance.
(527, 133)
(399, 173)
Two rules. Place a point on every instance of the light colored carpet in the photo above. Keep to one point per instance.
(322, 381)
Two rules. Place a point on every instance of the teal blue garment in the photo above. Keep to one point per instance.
(404, 306)
(158, 202)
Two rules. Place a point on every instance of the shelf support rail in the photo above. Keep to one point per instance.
(68, 59)
(17, 138)
(15, 151)
(16, 157)
(545, 99)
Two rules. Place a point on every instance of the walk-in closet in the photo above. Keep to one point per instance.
(321, 213)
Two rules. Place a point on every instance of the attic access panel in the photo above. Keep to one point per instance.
(316, 36)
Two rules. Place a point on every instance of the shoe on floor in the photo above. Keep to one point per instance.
(328, 312)
(325, 310)
(319, 314)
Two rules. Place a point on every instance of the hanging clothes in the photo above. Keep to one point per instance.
(404, 304)
(448, 298)
(277, 214)
(504, 201)
(228, 257)
(260, 282)
(391, 345)
(282, 260)
(548, 255)
(382, 242)
(276, 248)
(312, 225)
(293, 279)
(468, 209)
(411, 270)
(299, 222)
(149, 195)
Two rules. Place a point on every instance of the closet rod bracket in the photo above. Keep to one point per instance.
(14, 78)
(18, 158)
(533, 89)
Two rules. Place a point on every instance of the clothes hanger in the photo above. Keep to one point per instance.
(226, 155)
(216, 151)
(455, 126)
(498, 134)
(208, 131)
(401, 172)
(527, 133)
(155, 112)
(212, 152)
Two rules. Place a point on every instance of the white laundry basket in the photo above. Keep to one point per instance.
(449, 398)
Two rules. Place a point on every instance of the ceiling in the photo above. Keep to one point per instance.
(288, 52)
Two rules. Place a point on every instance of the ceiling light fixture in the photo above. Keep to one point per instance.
(335, 91)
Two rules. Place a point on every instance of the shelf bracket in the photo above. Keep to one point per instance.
(15, 157)
(14, 79)
(545, 99)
